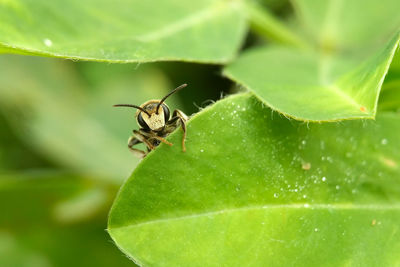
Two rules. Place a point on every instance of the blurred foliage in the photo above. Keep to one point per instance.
(55, 219)
(14, 154)
(390, 95)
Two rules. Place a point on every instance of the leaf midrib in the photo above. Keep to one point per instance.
(338, 206)
(328, 82)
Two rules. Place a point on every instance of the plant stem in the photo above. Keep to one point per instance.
(267, 26)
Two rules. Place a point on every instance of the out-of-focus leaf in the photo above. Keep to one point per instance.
(124, 30)
(265, 24)
(31, 234)
(349, 25)
(394, 70)
(257, 189)
(311, 87)
(70, 118)
(390, 96)
(15, 154)
(13, 254)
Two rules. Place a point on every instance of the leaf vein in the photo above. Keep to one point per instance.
(184, 23)
(340, 206)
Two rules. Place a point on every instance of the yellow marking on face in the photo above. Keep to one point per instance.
(154, 121)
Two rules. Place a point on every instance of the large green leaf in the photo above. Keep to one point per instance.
(123, 30)
(257, 189)
(68, 116)
(310, 86)
(340, 76)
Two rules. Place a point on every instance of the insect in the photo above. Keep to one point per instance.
(154, 119)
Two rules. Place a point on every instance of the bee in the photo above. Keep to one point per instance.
(156, 123)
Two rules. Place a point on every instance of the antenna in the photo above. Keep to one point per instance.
(132, 106)
(169, 94)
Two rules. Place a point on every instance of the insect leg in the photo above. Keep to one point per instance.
(149, 135)
(142, 138)
(179, 115)
(137, 152)
(162, 140)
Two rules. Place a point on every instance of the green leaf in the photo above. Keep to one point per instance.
(15, 154)
(348, 24)
(390, 96)
(68, 116)
(33, 234)
(337, 80)
(313, 87)
(257, 189)
(124, 30)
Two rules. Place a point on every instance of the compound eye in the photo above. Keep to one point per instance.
(166, 112)
(141, 121)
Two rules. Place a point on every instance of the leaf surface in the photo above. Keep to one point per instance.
(338, 75)
(310, 86)
(124, 30)
(349, 25)
(254, 188)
